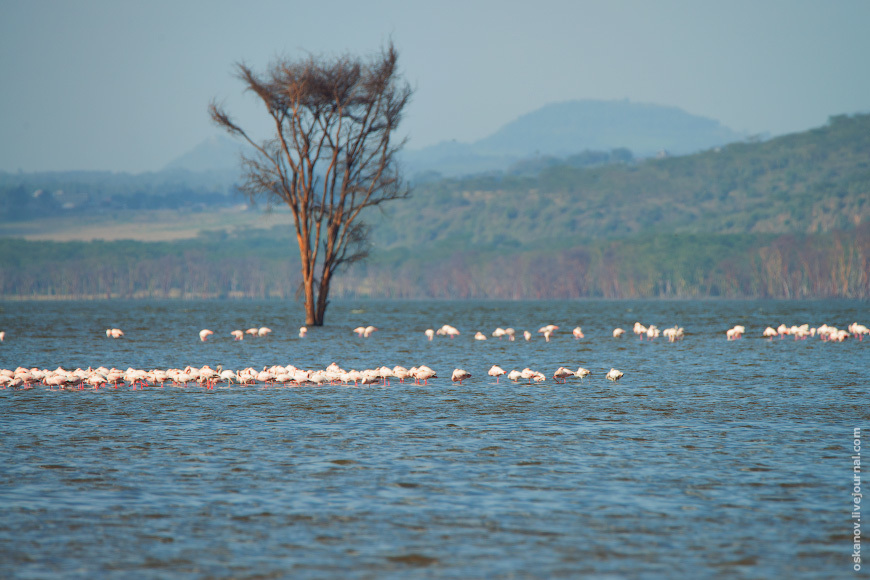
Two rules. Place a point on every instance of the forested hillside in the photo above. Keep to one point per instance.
(785, 218)
(812, 182)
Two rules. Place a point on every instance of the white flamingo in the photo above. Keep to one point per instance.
(460, 375)
(496, 371)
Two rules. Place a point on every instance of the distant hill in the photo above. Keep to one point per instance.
(784, 218)
(811, 182)
(217, 153)
(563, 129)
(558, 129)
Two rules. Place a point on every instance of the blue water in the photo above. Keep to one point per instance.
(710, 458)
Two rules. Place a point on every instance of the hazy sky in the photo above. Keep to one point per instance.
(124, 86)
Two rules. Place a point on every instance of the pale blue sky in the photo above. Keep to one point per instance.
(124, 86)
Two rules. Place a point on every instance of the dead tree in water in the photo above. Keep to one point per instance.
(332, 155)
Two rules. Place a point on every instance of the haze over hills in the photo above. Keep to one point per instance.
(571, 127)
(788, 217)
(558, 129)
(217, 153)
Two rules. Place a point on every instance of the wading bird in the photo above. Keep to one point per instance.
(496, 371)
(460, 375)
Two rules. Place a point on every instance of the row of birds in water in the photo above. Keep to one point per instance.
(804, 331)
(824, 332)
(673, 334)
(276, 375)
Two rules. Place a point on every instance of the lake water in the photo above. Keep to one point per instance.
(710, 458)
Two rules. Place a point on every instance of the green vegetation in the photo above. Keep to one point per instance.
(785, 218)
(812, 182)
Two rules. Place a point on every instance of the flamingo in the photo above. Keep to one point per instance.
(385, 373)
(238, 335)
(639, 330)
(204, 334)
(459, 375)
(2, 335)
(424, 373)
(562, 374)
(581, 373)
(510, 333)
(265, 376)
(618, 332)
(303, 331)
(614, 375)
(96, 380)
(578, 332)
(263, 331)
(114, 332)
(496, 371)
(370, 377)
(735, 332)
(479, 336)
(368, 331)
(447, 330)
(527, 335)
(673, 334)
(430, 334)
(515, 375)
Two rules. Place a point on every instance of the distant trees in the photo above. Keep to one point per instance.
(332, 155)
(835, 264)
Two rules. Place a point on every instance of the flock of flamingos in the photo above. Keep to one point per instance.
(333, 374)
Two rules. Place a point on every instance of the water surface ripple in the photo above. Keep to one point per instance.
(709, 458)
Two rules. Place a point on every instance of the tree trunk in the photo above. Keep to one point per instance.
(311, 318)
(323, 296)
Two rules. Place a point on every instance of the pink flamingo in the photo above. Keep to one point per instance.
(460, 375)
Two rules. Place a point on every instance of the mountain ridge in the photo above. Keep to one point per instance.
(571, 127)
(556, 129)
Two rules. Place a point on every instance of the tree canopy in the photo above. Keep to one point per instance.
(333, 153)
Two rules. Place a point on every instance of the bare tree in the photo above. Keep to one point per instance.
(332, 155)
